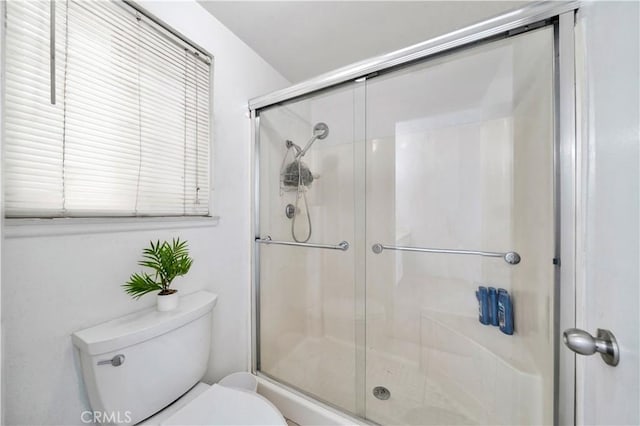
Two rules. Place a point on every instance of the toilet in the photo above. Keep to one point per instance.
(146, 368)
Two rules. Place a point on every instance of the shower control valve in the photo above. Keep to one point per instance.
(290, 211)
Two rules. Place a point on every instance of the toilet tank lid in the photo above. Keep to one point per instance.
(142, 325)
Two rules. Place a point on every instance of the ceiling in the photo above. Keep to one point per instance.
(302, 39)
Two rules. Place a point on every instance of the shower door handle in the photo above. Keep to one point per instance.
(342, 245)
(511, 257)
(584, 343)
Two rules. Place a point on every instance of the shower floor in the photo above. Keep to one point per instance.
(325, 368)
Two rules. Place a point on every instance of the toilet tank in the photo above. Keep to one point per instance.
(157, 357)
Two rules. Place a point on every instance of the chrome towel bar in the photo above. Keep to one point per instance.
(342, 245)
(511, 257)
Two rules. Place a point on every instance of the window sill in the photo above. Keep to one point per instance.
(29, 228)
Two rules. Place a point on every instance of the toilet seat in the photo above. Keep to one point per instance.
(220, 405)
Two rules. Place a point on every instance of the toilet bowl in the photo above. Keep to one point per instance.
(221, 405)
(240, 380)
(147, 367)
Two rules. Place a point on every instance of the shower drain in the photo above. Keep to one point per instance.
(381, 392)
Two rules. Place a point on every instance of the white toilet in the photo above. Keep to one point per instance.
(146, 367)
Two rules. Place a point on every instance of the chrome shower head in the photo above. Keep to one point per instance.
(320, 131)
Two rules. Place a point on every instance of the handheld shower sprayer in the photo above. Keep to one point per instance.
(297, 175)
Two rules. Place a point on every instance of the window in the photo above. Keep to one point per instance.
(128, 134)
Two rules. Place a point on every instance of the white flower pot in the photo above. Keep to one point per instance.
(167, 302)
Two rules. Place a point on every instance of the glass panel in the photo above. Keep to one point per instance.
(460, 156)
(307, 334)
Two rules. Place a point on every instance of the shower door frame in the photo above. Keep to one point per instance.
(567, 165)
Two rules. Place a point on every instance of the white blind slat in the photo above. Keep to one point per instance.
(129, 134)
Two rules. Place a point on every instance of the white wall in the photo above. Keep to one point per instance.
(53, 285)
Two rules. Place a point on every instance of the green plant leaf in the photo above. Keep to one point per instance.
(168, 261)
(140, 284)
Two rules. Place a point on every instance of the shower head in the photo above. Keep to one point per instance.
(320, 131)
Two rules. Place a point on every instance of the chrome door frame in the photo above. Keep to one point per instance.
(566, 208)
(501, 24)
(566, 150)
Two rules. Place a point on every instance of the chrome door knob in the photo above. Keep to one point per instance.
(584, 343)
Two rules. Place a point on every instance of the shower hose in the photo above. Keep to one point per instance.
(300, 193)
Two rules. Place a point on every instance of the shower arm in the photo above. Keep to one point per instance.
(320, 131)
(304, 150)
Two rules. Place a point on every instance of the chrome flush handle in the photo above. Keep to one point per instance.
(116, 361)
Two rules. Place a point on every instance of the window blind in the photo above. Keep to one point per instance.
(129, 132)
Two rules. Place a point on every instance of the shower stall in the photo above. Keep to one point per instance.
(386, 199)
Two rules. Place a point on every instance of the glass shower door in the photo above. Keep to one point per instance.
(460, 156)
(306, 317)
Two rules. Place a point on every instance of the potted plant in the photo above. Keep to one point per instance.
(168, 261)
